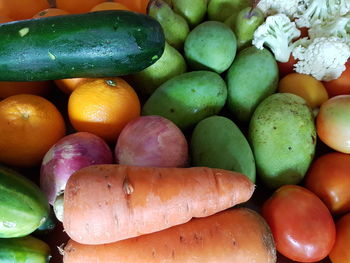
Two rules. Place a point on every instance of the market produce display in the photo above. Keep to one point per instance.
(175, 131)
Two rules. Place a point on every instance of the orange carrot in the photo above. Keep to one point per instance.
(107, 203)
(237, 235)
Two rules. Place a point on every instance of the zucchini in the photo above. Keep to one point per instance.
(26, 249)
(97, 44)
(23, 206)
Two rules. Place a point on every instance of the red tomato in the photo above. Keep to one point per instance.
(340, 252)
(301, 224)
(341, 85)
(333, 123)
(329, 178)
(286, 67)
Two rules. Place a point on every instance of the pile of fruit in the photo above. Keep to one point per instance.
(174, 131)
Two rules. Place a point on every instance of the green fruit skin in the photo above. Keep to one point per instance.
(220, 10)
(193, 11)
(252, 77)
(188, 98)
(211, 46)
(282, 135)
(23, 206)
(175, 26)
(26, 249)
(169, 65)
(48, 226)
(93, 45)
(244, 25)
(217, 142)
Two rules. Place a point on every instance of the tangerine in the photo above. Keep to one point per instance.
(103, 106)
(29, 126)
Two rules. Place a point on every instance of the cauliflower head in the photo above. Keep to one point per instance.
(321, 11)
(324, 58)
(339, 27)
(277, 33)
(290, 8)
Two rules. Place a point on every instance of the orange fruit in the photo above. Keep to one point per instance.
(103, 107)
(68, 85)
(139, 6)
(50, 12)
(22, 9)
(9, 88)
(76, 6)
(4, 19)
(109, 6)
(29, 126)
(305, 86)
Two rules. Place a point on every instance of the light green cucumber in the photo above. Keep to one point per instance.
(23, 206)
(26, 249)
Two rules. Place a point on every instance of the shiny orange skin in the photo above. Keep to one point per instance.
(103, 106)
(333, 123)
(9, 88)
(341, 252)
(4, 19)
(305, 86)
(77, 6)
(70, 84)
(329, 178)
(22, 9)
(139, 6)
(50, 12)
(29, 126)
(301, 224)
(341, 85)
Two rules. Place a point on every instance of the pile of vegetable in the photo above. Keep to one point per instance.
(236, 148)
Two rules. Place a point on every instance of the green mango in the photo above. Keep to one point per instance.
(282, 135)
(220, 10)
(244, 25)
(169, 65)
(217, 142)
(175, 26)
(252, 77)
(193, 11)
(188, 98)
(210, 46)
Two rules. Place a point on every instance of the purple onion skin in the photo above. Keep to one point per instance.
(72, 152)
(152, 141)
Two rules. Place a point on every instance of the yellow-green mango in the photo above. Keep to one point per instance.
(188, 98)
(217, 142)
(282, 135)
(252, 77)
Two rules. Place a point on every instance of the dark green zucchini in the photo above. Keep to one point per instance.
(24, 250)
(96, 44)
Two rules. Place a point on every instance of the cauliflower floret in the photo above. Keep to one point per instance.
(277, 33)
(344, 7)
(324, 58)
(288, 7)
(339, 27)
(322, 11)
